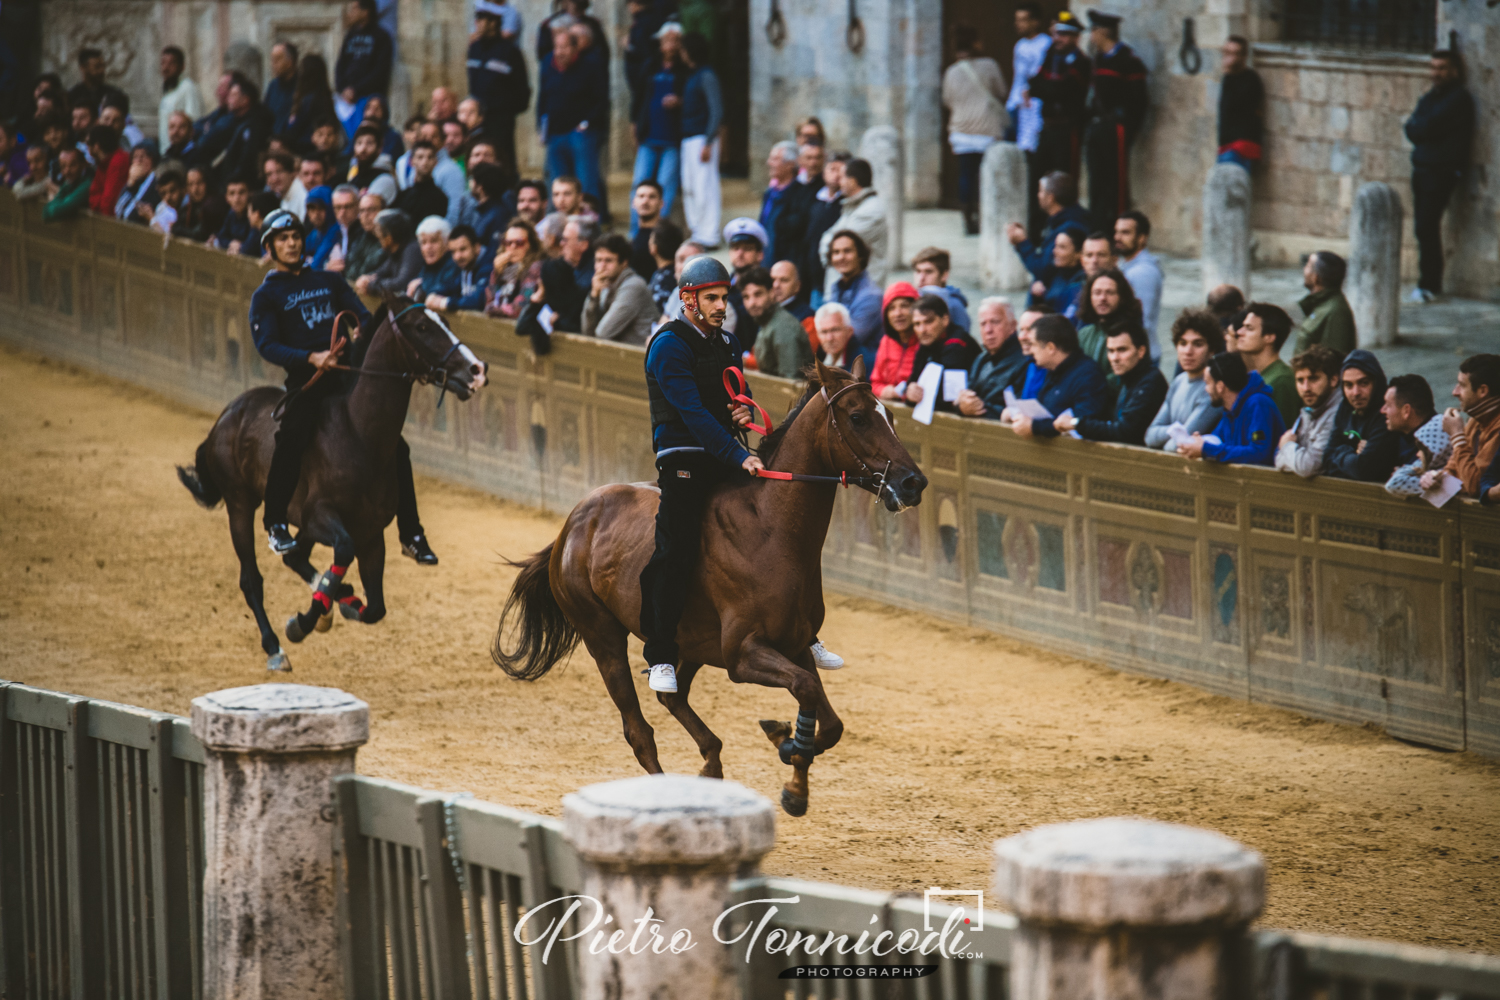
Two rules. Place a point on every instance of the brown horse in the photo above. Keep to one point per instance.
(347, 493)
(756, 600)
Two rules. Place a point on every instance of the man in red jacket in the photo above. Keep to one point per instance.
(111, 168)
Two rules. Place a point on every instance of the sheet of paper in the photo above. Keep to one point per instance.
(1031, 408)
(1211, 439)
(1177, 433)
(1443, 490)
(1010, 397)
(930, 381)
(955, 381)
(1072, 434)
(546, 317)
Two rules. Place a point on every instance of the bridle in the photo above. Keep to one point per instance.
(435, 373)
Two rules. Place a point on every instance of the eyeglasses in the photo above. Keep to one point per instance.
(517, 243)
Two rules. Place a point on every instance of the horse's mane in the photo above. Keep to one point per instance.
(767, 449)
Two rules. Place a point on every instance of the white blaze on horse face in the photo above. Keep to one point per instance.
(885, 414)
(463, 349)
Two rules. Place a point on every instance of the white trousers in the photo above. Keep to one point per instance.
(701, 202)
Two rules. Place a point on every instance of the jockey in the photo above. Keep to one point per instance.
(695, 430)
(291, 319)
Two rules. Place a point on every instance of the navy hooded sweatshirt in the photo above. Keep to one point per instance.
(1383, 449)
(1249, 432)
(291, 315)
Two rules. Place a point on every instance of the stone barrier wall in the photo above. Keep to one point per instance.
(1330, 598)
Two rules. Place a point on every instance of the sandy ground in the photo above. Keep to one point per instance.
(116, 585)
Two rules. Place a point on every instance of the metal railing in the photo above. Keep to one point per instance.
(1363, 25)
(101, 849)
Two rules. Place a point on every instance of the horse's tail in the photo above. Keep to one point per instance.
(543, 635)
(198, 481)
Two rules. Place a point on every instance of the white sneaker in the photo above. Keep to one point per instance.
(824, 658)
(1421, 295)
(663, 678)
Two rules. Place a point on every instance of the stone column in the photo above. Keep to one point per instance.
(1374, 282)
(269, 921)
(1125, 908)
(881, 145)
(1002, 200)
(1226, 228)
(668, 844)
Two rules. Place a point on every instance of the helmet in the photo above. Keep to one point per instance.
(279, 221)
(702, 271)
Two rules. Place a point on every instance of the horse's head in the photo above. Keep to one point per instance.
(447, 361)
(862, 438)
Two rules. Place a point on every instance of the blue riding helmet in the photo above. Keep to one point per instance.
(702, 271)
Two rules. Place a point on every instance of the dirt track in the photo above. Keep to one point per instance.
(115, 585)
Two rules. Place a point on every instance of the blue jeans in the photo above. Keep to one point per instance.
(659, 164)
(1233, 156)
(575, 154)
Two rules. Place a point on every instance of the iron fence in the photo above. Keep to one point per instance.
(101, 849)
(1363, 25)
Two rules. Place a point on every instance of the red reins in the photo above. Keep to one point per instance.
(734, 384)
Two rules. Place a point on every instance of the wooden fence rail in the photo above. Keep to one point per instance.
(1327, 597)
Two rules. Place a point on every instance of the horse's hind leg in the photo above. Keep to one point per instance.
(242, 533)
(297, 561)
(605, 640)
(328, 588)
(709, 745)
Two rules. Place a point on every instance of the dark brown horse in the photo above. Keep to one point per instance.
(347, 493)
(756, 601)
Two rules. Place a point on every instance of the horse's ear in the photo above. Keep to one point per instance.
(825, 374)
(858, 371)
(392, 303)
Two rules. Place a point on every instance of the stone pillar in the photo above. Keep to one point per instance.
(1374, 282)
(881, 145)
(1002, 200)
(668, 844)
(1125, 908)
(1226, 228)
(269, 922)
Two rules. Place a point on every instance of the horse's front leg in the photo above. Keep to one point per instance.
(372, 572)
(329, 586)
(817, 729)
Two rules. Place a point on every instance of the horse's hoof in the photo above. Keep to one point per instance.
(278, 661)
(325, 622)
(294, 629)
(350, 610)
(793, 805)
(776, 731)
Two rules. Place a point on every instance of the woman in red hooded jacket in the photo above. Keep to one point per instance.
(111, 168)
(898, 347)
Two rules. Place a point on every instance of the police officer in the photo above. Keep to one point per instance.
(1062, 85)
(497, 79)
(1117, 106)
(696, 430)
(291, 319)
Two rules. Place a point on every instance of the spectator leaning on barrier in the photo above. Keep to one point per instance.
(403, 256)
(1197, 337)
(1142, 270)
(72, 195)
(939, 342)
(1305, 443)
(1029, 383)
(1142, 390)
(202, 211)
(836, 336)
(471, 269)
(1107, 304)
(1073, 381)
(853, 287)
(1409, 411)
(577, 248)
(929, 269)
(111, 168)
(1362, 447)
(368, 252)
(1476, 443)
(517, 271)
(235, 228)
(1000, 363)
(619, 305)
(1251, 425)
(320, 222)
(898, 343)
(438, 274)
(173, 186)
(1259, 337)
(1329, 321)
(1489, 484)
(33, 186)
(781, 346)
(862, 212)
(344, 231)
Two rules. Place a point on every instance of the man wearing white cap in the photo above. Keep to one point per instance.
(497, 78)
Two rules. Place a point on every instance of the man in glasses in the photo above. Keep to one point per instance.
(291, 319)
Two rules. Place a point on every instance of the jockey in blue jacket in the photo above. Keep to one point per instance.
(696, 430)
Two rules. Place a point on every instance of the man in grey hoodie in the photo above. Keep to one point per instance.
(1302, 448)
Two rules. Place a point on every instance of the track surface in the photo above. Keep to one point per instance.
(115, 585)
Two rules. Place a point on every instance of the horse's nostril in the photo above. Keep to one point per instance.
(476, 369)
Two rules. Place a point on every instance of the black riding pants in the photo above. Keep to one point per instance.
(299, 422)
(686, 479)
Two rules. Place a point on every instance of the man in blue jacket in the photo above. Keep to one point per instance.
(364, 63)
(1441, 130)
(497, 79)
(1074, 381)
(1251, 426)
(291, 320)
(1057, 194)
(571, 103)
(695, 429)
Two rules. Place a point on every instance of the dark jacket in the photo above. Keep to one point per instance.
(440, 278)
(569, 99)
(1062, 85)
(364, 62)
(397, 270)
(653, 122)
(235, 227)
(497, 77)
(1063, 286)
(1242, 100)
(1078, 385)
(685, 371)
(1249, 432)
(278, 101)
(1383, 451)
(1441, 128)
(641, 261)
(957, 350)
(1038, 256)
(821, 217)
(422, 199)
(1119, 92)
(1142, 390)
(991, 374)
(291, 315)
(245, 143)
(785, 214)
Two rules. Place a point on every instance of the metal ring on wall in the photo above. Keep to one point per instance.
(1189, 56)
